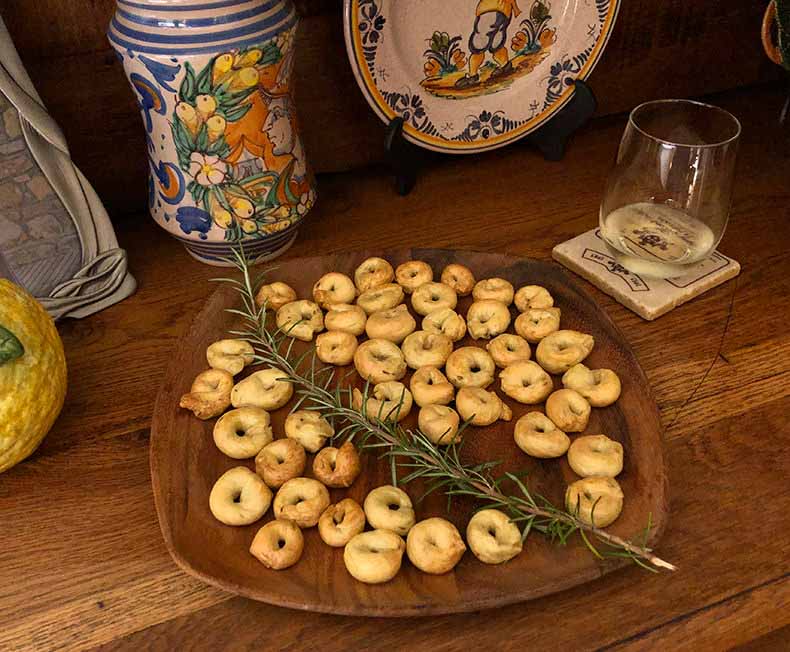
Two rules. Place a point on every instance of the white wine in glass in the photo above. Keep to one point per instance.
(668, 198)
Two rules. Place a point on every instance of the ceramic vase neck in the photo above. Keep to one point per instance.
(179, 27)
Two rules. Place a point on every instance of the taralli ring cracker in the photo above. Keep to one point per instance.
(300, 319)
(596, 455)
(494, 289)
(387, 401)
(374, 557)
(389, 508)
(507, 349)
(560, 350)
(596, 501)
(487, 318)
(429, 386)
(334, 288)
(280, 461)
(266, 389)
(470, 366)
(341, 522)
(383, 297)
(537, 323)
(309, 428)
(243, 432)
(209, 395)
(239, 497)
(434, 546)
(601, 387)
(412, 274)
(526, 382)
(393, 324)
(373, 273)
(379, 361)
(459, 278)
(439, 423)
(568, 410)
(533, 296)
(445, 321)
(336, 347)
(229, 355)
(430, 297)
(275, 295)
(493, 538)
(337, 467)
(278, 544)
(301, 500)
(423, 349)
(346, 317)
(537, 436)
(481, 408)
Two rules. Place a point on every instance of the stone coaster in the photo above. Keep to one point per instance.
(588, 255)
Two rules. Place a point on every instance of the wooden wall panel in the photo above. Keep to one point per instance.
(658, 49)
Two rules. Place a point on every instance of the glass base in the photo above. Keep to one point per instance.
(650, 268)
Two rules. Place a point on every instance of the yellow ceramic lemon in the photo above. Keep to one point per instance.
(32, 374)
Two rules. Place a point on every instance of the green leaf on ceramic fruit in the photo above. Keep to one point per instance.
(10, 347)
(188, 89)
(203, 81)
(271, 54)
(240, 96)
(236, 189)
(182, 135)
(237, 113)
(221, 147)
(220, 198)
(201, 142)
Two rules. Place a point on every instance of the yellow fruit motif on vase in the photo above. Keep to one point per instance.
(215, 127)
(32, 374)
(222, 218)
(205, 105)
(249, 58)
(242, 207)
(248, 226)
(222, 65)
(244, 78)
(277, 227)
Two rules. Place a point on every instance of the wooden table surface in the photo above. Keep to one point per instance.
(82, 562)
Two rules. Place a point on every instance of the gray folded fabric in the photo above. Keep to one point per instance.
(56, 239)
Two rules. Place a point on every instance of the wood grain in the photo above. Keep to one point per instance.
(185, 463)
(82, 561)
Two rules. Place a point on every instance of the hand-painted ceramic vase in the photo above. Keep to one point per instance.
(212, 78)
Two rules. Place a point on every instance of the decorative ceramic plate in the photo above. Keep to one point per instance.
(472, 75)
(185, 463)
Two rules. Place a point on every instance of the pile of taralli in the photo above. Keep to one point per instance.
(448, 386)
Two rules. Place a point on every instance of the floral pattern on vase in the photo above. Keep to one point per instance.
(227, 164)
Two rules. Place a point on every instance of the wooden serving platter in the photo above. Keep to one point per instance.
(185, 463)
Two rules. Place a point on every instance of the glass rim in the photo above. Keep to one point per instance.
(704, 105)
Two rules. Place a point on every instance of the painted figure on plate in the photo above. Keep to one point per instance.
(492, 18)
(446, 71)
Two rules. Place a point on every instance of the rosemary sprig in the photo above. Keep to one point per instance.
(410, 450)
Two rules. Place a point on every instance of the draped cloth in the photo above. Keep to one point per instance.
(98, 276)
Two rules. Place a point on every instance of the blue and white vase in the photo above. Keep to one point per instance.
(212, 78)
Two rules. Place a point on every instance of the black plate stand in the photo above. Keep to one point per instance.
(404, 158)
